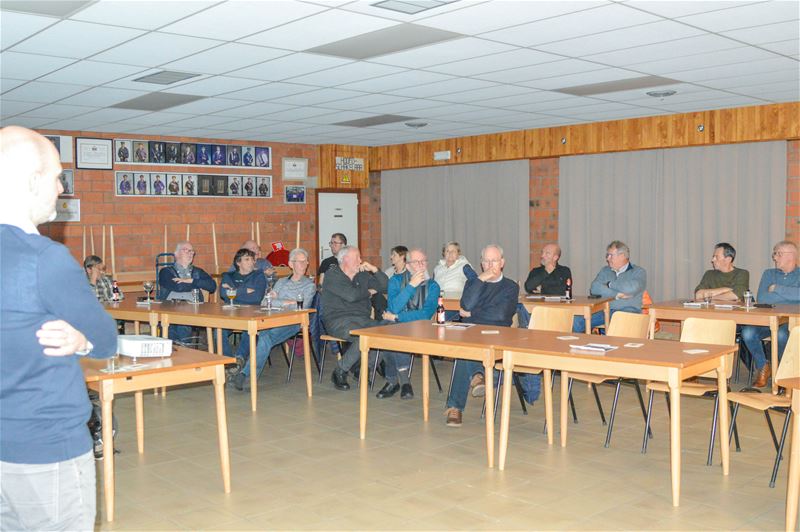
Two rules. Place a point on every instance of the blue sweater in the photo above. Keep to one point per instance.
(254, 280)
(43, 402)
(399, 296)
(632, 282)
(787, 287)
(200, 279)
(489, 303)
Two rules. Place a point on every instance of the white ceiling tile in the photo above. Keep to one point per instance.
(17, 26)
(443, 52)
(270, 91)
(790, 47)
(442, 87)
(639, 96)
(243, 124)
(253, 109)
(486, 116)
(396, 81)
(493, 63)
(408, 106)
(498, 91)
(225, 58)
(767, 33)
(672, 9)
(60, 39)
(6, 84)
(103, 116)
(584, 78)
(750, 79)
(545, 70)
(741, 56)
(231, 21)
(488, 16)
(605, 18)
(321, 28)
(76, 123)
(317, 97)
(346, 74)
(102, 97)
(10, 108)
(91, 73)
(29, 66)
(201, 121)
(335, 117)
(155, 49)
(776, 64)
(206, 106)
(289, 66)
(745, 16)
(446, 111)
(762, 88)
(666, 50)
(364, 101)
(533, 97)
(59, 111)
(30, 122)
(780, 96)
(616, 115)
(144, 14)
(213, 86)
(714, 104)
(298, 113)
(161, 117)
(37, 91)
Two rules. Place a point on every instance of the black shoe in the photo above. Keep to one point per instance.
(407, 392)
(388, 390)
(356, 370)
(382, 369)
(339, 380)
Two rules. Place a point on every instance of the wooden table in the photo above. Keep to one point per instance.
(128, 310)
(183, 367)
(425, 338)
(248, 318)
(764, 317)
(656, 360)
(793, 488)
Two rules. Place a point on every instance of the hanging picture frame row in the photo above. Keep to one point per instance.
(140, 151)
(160, 184)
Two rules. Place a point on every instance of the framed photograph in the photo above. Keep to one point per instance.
(294, 168)
(68, 210)
(157, 155)
(218, 157)
(56, 140)
(189, 185)
(204, 154)
(206, 185)
(248, 186)
(221, 185)
(248, 156)
(124, 183)
(157, 185)
(294, 194)
(140, 154)
(67, 182)
(142, 185)
(174, 185)
(235, 186)
(122, 150)
(188, 153)
(234, 156)
(173, 151)
(264, 187)
(94, 154)
(264, 157)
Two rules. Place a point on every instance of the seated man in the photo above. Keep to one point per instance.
(101, 284)
(177, 282)
(346, 305)
(725, 282)
(549, 279)
(620, 280)
(488, 299)
(249, 284)
(262, 265)
(338, 240)
(779, 286)
(289, 292)
(413, 296)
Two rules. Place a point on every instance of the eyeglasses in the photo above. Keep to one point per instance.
(335, 243)
(298, 261)
(418, 261)
(491, 261)
(613, 254)
(780, 253)
(190, 251)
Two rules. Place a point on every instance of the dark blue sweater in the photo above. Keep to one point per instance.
(254, 280)
(200, 279)
(489, 303)
(43, 402)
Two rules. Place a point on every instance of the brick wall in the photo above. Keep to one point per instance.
(543, 205)
(793, 191)
(139, 221)
(369, 207)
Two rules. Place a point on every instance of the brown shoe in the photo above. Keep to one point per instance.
(453, 417)
(762, 376)
(478, 385)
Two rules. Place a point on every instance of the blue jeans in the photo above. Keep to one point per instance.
(179, 333)
(397, 366)
(598, 319)
(752, 335)
(267, 339)
(465, 369)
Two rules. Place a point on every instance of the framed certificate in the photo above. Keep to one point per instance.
(295, 168)
(94, 154)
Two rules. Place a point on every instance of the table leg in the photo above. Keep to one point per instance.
(426, 387)
(793, 488)
(587, 319)
(488, 365)
(222, 427)
(505, 413)
(307, 355)
(652, 331)
(548, 403)
(219, 342)
(139, 405)
(363, 387)
(106, 398)
(251, 330)
(607, 314)
(773, 355)
(724, 422)
(210, 340)
(564, 406)
(675, 440)
(164, 334)
(135, 327)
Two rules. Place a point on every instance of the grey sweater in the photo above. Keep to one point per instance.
(343, 298)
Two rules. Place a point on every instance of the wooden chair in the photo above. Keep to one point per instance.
(702, 331)
(789, 367)
(624, 324)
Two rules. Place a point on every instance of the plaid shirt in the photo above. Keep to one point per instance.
(104, 290)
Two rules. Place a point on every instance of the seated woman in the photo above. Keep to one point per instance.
(289, 293)
(250, 285)
(449, 274)
(100, 282)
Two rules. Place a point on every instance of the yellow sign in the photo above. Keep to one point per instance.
(345, 179)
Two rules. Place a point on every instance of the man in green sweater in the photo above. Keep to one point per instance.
(725, 282)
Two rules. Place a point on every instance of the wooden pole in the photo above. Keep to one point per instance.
(252, 231)
(104, 243)
(113, 255)
(91, 235)
(187, 232)
(214, 238)
(297, 239)
(258, 233)
(83, 256)
(165, 238)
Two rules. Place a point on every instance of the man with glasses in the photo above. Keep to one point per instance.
(488, 299)
(338, 240)
(179, 279)
(779, 286)
(413, 296)
(724, 282)
(620, 280)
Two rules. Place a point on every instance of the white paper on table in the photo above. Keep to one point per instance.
(633, 344)
(695, 351)
(566, 337)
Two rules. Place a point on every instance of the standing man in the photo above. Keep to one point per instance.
(779, 286)
(174, 186)
(125, 187)
(141, 153)
(122, 153)
(346, 305)
(48, 320)
(141, 185)
(338, 240)
(724, 282)
(620, 280)
(413, 296)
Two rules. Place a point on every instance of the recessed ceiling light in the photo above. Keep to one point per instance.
(661, 94)
(411, 7)
(416, 125)
(166, 77)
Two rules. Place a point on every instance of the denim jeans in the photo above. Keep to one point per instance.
(267, 339)
(179, 333)
(397, 366)
(531, 384)
(752, 335)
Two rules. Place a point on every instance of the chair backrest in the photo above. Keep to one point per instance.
(162, 261)
(789, 366)
(551, 319)
(629, 325)
(706, 331)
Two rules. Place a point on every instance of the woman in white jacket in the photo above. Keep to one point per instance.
(449, 273)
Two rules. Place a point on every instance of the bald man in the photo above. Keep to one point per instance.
(49, 319)
(549, 278)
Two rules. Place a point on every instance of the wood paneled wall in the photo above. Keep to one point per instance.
(330, 177)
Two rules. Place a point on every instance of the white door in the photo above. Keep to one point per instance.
(338, 213)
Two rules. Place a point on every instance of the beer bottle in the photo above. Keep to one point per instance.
(114, 291)
(569, 289)
(440, 319)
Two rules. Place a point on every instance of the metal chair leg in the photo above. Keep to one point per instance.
(771, 429)
(572, 403)
(732, 429)
(520, 395)
(779, 453)
(613, 414)
(599, 404)
(322, 360)
(291, 359)
(714, 417)
(436, 375)
(375, 370)
(647, 421)
(641, 404)
(452, 376)
(666, 396)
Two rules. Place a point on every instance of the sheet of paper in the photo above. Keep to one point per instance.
(567, 337)
(633, 344)
(695, 351)
(492, 331)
